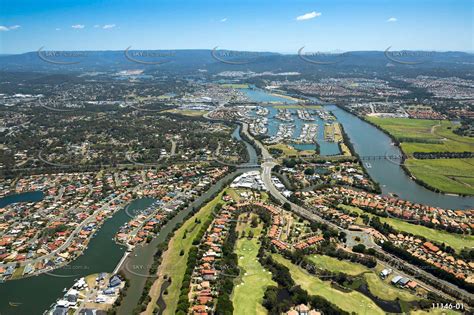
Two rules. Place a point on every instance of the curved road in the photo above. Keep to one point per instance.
(269, 163)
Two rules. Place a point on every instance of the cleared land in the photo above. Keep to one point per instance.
(173, 265)
(249, 289)
(456, 241)
(187, 112)
(351, 302)
(424, 135)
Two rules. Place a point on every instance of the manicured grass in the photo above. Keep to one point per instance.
(456, 241)
(447, 175)
(386, 291)
(350, 302)
(289, 150)
(173, 265)
(377, 286)
(249, 289)
(335, 265)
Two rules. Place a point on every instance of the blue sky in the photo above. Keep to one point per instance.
(258, 25)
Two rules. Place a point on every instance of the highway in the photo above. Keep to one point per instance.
(269, 163)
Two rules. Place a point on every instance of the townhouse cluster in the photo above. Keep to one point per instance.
(170, 193)
(342, 173)
(39, 236)
(435, 256)
(462, 220)
(275, 231)
(204, 284)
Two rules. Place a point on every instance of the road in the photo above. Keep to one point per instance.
(269, 163)
(68, 241)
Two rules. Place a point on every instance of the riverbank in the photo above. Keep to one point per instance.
(447, 176)
(368, 140)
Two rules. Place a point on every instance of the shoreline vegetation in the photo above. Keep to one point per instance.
(415, 140)
(173, 264)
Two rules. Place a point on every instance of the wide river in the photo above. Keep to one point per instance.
(36, 294)
(370, 141)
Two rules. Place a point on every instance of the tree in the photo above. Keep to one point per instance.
(359, 248)
(254, 223)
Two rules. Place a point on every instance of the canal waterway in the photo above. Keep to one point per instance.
(34, 295)
(326, 147)
(252, 154)
(139, 261)
(31, 196)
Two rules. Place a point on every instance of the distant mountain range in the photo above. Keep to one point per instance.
(214, 61)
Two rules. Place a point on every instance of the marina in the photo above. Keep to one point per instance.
(303, 129)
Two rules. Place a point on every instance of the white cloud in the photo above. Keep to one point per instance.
(308, 16)
(58, 29)
(224, 20)
(107, 26)
(78, 26)
(9, 28)
(96, 26)
(392, 19)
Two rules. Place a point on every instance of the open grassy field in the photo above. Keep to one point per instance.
(350, 302)
(289, 150)
(456, 241)
(377, 286)
(250, 287)
(190, 113)
(423, 135)
(173, 265)
(336, 265)
(449, 175)
(386, 291)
